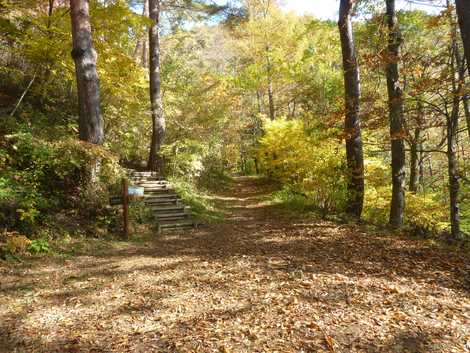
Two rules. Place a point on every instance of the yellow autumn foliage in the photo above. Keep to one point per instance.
(312, 165)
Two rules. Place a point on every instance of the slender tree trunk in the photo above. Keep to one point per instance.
(141, 49)
(272, 111)
(396, 117)
(145, 42)
(414, 161)
(158, 118)
(260, 99)
(466, 108)
(49, 13)
(463, 14)
(352, 126)
(454, 185)
(84, 55)
(452, 131)
(45, 77)
(421, 165)
(465, 97)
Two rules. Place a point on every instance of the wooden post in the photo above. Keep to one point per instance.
(125, 206)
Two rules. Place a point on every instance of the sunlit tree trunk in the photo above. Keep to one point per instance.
(158, 118)
(396, 117)
(272, 110)
(354, 150)
(84, 55)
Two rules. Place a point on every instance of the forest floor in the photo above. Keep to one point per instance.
(261, 281)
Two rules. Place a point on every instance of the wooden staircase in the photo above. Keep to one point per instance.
(168, 208)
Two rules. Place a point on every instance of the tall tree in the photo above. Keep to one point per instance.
(463, 14)
(396, 117)
(84, 55)
(158, 118)
(352, 125)
(141, 52)
(452, 123)
(414, 160)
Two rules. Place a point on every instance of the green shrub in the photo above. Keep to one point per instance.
(194, 161)
(41, 177)
(201, 204)
(39, 246)
(291, 199)
(139, 212)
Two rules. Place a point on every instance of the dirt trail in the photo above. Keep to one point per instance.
(259, 282)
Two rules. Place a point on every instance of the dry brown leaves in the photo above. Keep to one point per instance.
(258, 283)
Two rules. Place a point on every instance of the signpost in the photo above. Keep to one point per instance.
(129, 193)
(125, 206)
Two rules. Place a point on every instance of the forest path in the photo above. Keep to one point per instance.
(258, 282)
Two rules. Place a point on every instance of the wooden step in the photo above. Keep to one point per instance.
(172, 208)
(172, 217)
(172, 195)
(153, 190)
(174, 225)
(163, 202)
(149, 178)
(147, 174)
(154, 182)
(154, 186)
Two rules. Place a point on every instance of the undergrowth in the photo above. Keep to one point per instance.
(200, 201)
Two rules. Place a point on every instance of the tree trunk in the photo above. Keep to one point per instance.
(465, 97)
(272, 112)
(454, 185)
(145, 42)
(84, 55)
(141, 48)
(414, 161)
(259, 99)
(467, 113)
(421, 166)
(452, 131)
(396, 117)
(49, 13)
(352, 126)
(158, 118)
(463, 14)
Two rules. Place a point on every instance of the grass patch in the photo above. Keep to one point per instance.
(201, 203)
(291, 201)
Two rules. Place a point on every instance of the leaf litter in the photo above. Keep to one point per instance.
(262, 281)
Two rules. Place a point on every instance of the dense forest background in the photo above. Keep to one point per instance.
(245, 88)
